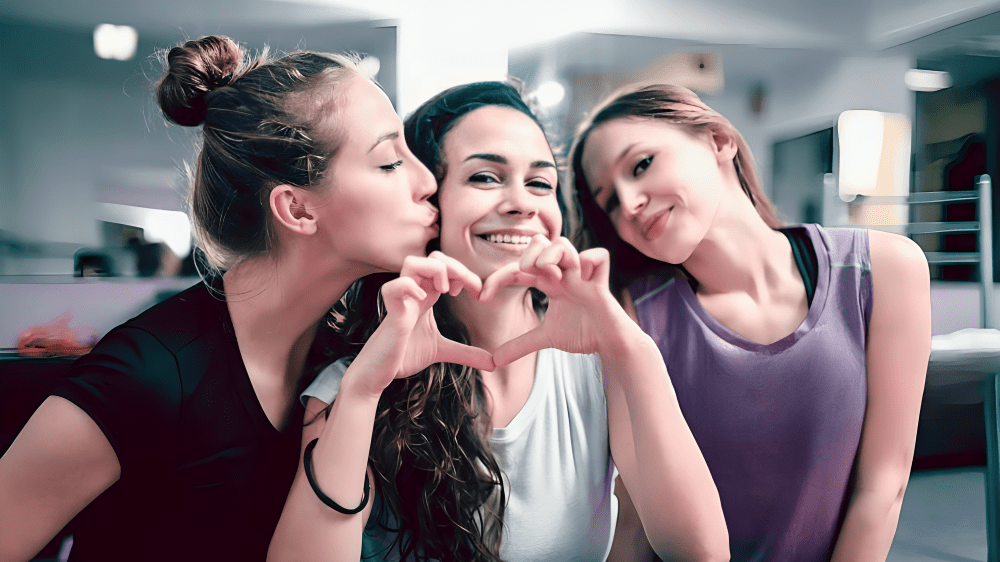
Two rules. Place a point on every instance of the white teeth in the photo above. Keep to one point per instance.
(508, 239)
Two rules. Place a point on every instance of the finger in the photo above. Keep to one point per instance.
(530, 254)
(595, 264)
(450, 351)
(509, 274)
(561, 256)
(427, 270)
(520, 346)
(402, 287)
(570, 258)
(459, 276)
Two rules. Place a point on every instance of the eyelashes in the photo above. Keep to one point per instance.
(391, 167)
(483, 177)
(642, 165)
(492, 179)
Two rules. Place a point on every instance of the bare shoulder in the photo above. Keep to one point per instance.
(896, 258)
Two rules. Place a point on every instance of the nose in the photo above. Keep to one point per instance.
(424, 183)
(633, 200)
(518, 201)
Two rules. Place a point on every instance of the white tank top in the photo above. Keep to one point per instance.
(556, 459)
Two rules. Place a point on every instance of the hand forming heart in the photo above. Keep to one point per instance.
(581, 308)
(408, 340)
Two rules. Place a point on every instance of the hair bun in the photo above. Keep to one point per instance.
(192, 70)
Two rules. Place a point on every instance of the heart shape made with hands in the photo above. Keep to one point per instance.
(580, 304)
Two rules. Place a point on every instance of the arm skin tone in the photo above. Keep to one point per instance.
(630, 543)
(899, 343)
(656, 454)
(60, 462)
(406, 342)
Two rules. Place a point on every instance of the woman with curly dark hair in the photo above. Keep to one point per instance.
(513, 464)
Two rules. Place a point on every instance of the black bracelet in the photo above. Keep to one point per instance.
(307, 462)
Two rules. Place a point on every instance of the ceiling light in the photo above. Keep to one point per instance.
(926, 80)
(550, 93)
(115, 42)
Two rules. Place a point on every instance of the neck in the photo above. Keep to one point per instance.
(740, 252)
(276, 304)
(507, 315)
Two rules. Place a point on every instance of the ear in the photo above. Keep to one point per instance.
(724, 145)
(290, 208)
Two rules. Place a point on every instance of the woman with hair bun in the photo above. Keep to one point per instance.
(177, 437)
(798, 352)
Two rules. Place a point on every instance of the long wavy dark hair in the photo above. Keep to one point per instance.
(443, 489)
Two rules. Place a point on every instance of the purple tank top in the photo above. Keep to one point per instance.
(779, 424)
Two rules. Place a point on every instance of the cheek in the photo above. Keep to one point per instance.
(450, 239)
(457, 210)
(625, 230)
(552, 218)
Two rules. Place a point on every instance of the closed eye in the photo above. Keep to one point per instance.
(540, 184)
(641, 166)
(390, 167)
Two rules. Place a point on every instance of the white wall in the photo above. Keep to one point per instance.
(74, 125)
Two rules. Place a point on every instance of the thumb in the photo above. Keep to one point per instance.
(595, 262)
(450, 351)
(520, 346)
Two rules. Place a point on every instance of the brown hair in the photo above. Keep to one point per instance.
(265, 122)
(441, 487)
(430, 449)
(675, 105)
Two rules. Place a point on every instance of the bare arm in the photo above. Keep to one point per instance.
(899, 337)
(405, 343)
(630, 542)
(659, 460)
(660, 463)
(308, 529)
(59, 463)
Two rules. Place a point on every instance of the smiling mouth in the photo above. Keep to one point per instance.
(651, 224)
(513, 240)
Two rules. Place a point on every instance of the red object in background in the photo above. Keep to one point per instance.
(56, 339)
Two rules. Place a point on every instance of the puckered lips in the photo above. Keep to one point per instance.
(514, 240)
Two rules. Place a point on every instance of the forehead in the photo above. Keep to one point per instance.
(497, 130)
(609, 141)
(365, 113)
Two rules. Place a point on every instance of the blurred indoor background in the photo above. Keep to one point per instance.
(840, 101)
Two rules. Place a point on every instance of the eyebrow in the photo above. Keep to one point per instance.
(502, 160)
(384, 137)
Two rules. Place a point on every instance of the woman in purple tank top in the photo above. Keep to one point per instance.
(798, 354)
